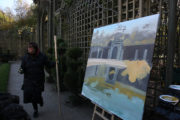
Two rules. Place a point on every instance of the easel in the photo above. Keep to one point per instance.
(104, 115)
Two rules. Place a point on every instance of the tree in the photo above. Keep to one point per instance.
(21, 8)
(4, 18)
(9, 14)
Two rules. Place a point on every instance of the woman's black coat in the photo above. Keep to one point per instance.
(34, 76)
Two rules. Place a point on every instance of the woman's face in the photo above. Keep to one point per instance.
(31, 50)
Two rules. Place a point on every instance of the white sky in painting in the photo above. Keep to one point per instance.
(145, 24)
(131, 25)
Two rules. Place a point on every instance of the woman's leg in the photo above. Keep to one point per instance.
(35, 106)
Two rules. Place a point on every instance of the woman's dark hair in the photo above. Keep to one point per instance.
(34, 45)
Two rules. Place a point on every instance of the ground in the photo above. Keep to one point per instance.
(50, 110)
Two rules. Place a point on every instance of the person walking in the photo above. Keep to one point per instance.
(32, 66)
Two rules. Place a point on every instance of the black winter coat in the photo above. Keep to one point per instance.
(34, 76)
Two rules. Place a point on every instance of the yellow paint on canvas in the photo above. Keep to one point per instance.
(122, 89)
(111, 72)
(136, 70)
(145, 42)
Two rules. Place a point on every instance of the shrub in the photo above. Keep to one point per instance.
(73, 78)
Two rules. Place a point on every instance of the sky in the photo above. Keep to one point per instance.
(10, 3)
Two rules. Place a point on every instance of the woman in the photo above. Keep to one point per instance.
(32, 66)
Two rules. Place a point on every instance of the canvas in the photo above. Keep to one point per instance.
(119, 65)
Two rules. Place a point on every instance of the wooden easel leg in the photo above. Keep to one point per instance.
(112, 117)
(94, 112)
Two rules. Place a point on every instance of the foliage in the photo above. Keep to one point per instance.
(61, 48)
(7, 26)
(73, 78)
(9, 12)
(52, 72)
(4, 18)
(5, 21)
(30, 19)
(21, 9)
(4, 75)
(5, 57)
(68, 2)
(56, 20)
(24, 24)
(74, 53)
(25, 15)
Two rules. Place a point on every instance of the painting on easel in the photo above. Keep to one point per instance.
(119, 66)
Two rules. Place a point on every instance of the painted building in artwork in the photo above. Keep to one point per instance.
(117, 51)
